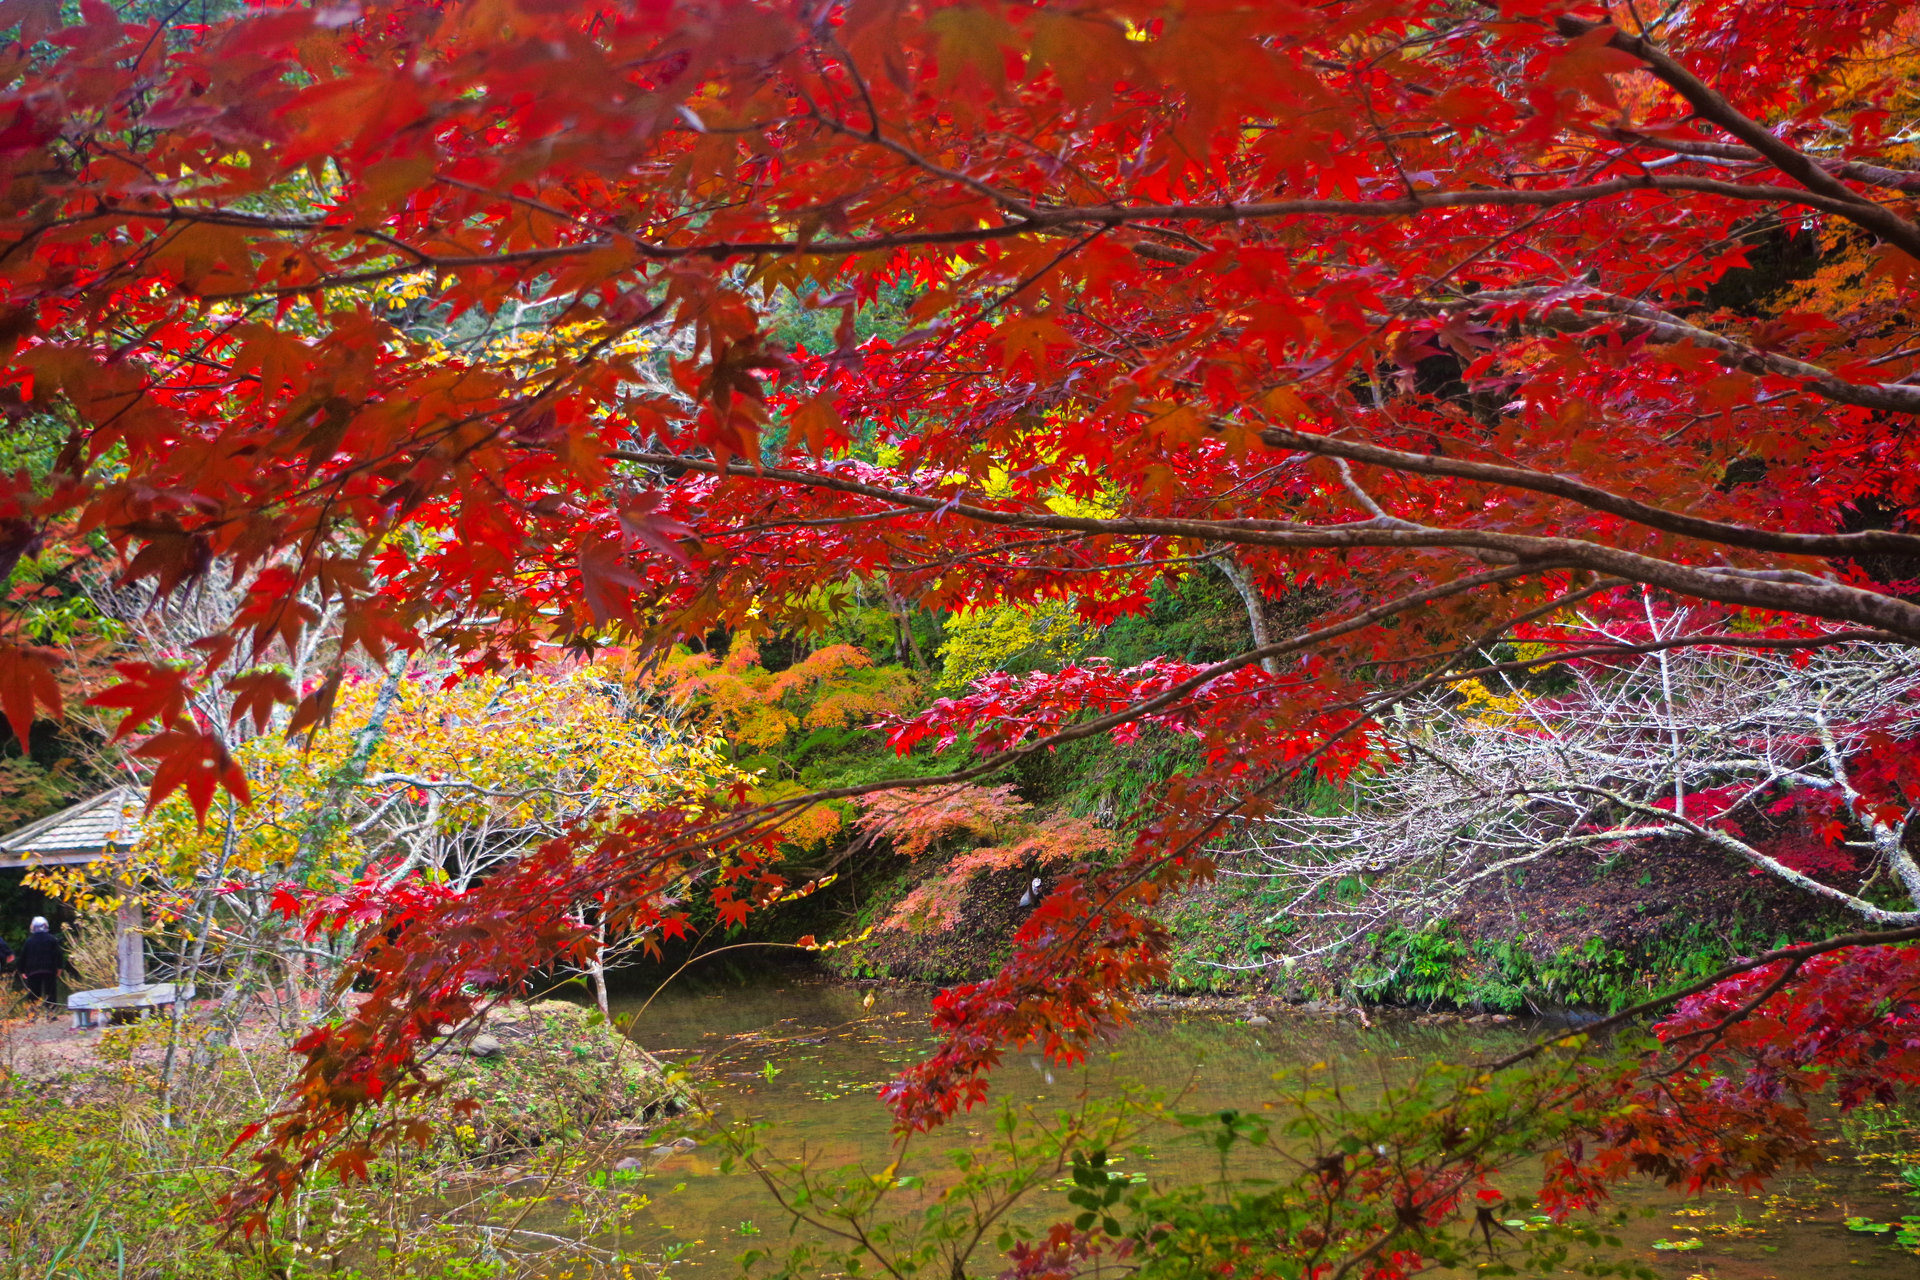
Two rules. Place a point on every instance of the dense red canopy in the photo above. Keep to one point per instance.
(466, 315)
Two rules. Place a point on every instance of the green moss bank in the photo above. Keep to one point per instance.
(541, 1072)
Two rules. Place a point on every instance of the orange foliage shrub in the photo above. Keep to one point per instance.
(916, 824)
(834, 687)
(758, 711)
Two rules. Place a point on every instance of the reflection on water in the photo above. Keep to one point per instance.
(808, 1057)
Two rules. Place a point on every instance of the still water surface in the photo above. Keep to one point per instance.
(809, 1057)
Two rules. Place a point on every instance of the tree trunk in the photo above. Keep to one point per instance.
(1256, 603)
(906, 647)
(597, 970)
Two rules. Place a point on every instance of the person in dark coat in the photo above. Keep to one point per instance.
(40, 962)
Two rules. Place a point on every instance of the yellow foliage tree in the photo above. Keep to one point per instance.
(994, 638)
(419, 775)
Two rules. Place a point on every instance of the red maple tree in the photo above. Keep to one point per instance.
(468, 314)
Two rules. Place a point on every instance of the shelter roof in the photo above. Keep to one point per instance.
(107, 823)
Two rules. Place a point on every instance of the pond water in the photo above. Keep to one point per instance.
(808, 1056)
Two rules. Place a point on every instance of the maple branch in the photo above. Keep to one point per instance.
(1019, 208)
(1866, 542)
(1419, 202)
(1715, 1034)
(1873, 175)
(1709, 104)
(1564, 317)
(1039, 221)
(1803, 952)
(1762, 589)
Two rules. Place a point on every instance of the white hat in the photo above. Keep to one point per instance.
(39, 924)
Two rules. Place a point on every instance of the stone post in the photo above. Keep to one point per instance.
(132, 946)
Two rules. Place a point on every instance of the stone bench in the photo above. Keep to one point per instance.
(84, 1005)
